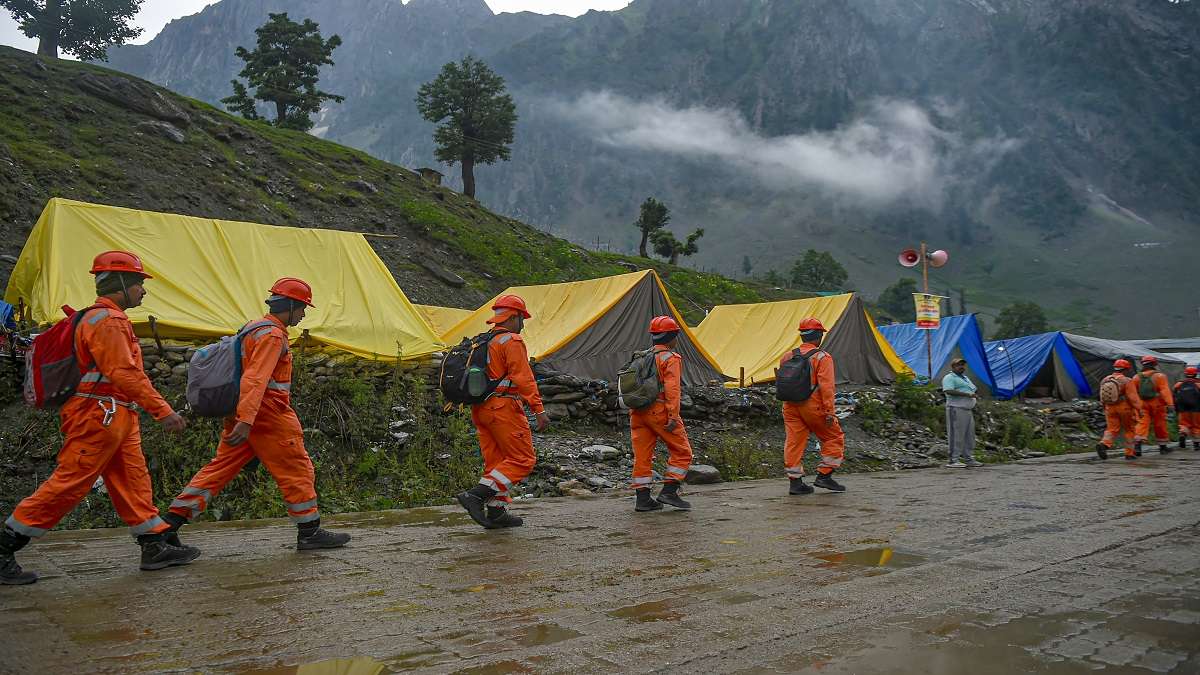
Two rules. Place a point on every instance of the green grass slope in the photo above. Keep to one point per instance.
(144, 147)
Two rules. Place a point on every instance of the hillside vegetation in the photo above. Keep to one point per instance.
(83, 132)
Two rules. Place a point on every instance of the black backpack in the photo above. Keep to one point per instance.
(1187, 397)
(793, 380)
(464, 376)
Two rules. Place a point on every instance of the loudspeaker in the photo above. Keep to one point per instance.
(909, 257)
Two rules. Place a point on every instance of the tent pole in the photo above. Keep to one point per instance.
(742, 377)
(925, 289)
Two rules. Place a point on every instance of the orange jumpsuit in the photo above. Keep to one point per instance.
(803, 417)
(1123, 416)
(108, 351)
(276, 438)
(1156, 408)
(1189, 422)
(504, 435)
(649, 424)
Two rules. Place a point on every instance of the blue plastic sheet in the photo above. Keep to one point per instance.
(1016, 362)
(6, 316)
(961, 332)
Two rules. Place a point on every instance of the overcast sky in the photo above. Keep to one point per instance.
(157, 13)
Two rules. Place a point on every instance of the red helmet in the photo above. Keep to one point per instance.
(296, 289)
(809, 324)
(512, 302)
(1148, 360)
(1191, 371)
(119, 261)
(663, 324)
(1122, 364)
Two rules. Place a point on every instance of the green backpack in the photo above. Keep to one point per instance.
(1146, 388)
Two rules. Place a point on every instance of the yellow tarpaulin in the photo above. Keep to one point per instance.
(591, 328)
(755, 336)
(442, 319)
(211, 276)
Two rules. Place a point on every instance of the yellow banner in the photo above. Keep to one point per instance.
(929, 310)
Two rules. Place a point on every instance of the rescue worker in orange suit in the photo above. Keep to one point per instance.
(1155, 390)
(815, 416)
(1187, 405)
(504, 435)
(661, 420)
(1121, 416)
(101, 430)
(265, 426)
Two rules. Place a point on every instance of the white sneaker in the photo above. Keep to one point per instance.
(972, 462)
(956, 465)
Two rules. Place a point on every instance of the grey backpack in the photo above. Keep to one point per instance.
(638, 385)
(215, 375)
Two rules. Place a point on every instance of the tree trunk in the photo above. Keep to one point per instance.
(674, 257)
(280, 113)
(51, 29)
(468, 176)
(642, 246)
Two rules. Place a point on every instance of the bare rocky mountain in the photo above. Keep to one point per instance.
(1049, 144)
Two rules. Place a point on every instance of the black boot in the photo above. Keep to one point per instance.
(825, 480)
(1102, 451)
(500, 517)
(473, 501)
(644, 502)
(1164, 449)
(669, 495)
(797, 486)
(11, 573)
(175, 521)
(1137, 449)
(158, 554)
(1183, 441)
(310, 536)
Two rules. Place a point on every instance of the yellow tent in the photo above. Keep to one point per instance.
(442, 319)
(591, 328)
(755, 336)
(211, 276)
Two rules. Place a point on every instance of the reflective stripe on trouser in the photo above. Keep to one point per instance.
(1189, 423)
(92, 450)
(646, 428)
(1155, 415)
(279, 386)
(506, 443)
(277, 441)
(1119, 419)
(801, 419)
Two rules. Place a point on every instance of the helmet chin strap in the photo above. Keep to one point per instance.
(125, 291)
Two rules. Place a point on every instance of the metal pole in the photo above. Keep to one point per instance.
(928, 337)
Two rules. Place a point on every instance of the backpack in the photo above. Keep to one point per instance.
(1111, 390)
(638, 384)
(1146, 388)
(214, 381)
(793, 380)
(1187, 397)
(464, 376)
(52, 371)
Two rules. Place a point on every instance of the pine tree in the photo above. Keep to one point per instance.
(283, 70)
(667, 246)
(654, 216)
(85, 28)
(475, 114)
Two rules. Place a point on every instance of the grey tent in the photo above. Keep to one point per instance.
(1096, 356)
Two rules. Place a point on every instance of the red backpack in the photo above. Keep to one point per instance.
(51, 370)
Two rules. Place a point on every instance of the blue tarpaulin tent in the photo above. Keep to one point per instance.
(6, 316)
(957, 336)
(1044, 362)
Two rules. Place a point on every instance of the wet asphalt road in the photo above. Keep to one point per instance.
(1062, 565)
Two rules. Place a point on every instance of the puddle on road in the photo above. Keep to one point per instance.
(1138, 512)
(497, 668)
(421, 517)
(542, 634)
(361, 665)
(1134, 499)
(647, 612)
(479, 588)
(108, 636)
(870, 557)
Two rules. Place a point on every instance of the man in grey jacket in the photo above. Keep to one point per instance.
(960, 420)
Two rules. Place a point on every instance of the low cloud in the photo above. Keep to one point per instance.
(891, 152)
